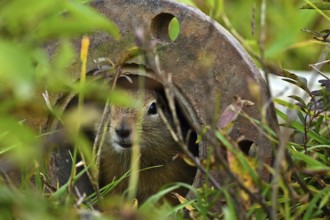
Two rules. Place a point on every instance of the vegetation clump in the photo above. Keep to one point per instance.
(300, 174)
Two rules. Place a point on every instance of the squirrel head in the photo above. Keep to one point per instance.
(141, 125)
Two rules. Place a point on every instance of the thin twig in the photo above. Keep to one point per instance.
(187, 152)
(102, 129)
(152, 60)
(318, 71)
(296, 174)
(280, 155)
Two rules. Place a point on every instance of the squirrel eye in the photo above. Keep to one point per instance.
(152, 109)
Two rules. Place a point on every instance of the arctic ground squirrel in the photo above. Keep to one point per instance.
(157, 147)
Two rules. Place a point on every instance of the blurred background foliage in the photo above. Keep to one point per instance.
(25, 68)
(285, 44)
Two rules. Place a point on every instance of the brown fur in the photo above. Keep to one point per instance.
(157, 147)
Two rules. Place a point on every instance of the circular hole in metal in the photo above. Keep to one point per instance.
(248, 147)
(165, 27)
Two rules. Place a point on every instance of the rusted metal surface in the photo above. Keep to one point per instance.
(206, 62)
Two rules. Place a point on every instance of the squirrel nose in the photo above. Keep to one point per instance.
(123, 130)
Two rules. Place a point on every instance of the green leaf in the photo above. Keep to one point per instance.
(64, 188)
(174, 29)
(240, 156)
(320, 5)
(311, 163)
(85, 13)
(286, 104)
(299, 81)
(298, 99)
(201, 135)
(27, 17)
(293, 76)
(318, 147)
(318, 124)
(16, 70)
(326, 198)
(229, 210)
(156, 197)
(310, 212)
(301, 117)
(20, 140)
(299, 127)
(78, 19)
(64, 56)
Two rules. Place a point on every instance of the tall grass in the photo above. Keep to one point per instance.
(299, 188)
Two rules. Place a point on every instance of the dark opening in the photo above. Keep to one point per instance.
(165, 27)
(245, 146)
